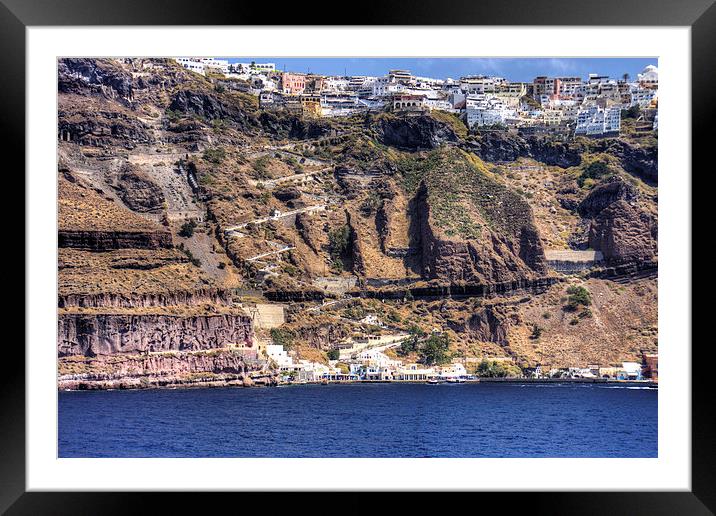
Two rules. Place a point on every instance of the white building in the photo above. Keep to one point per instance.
(335, 84)
(455, 370)
(649, 77)
(279, 355)
(484, 110)
(202, 64)
(252, 68)
(643, 97)
(594, 121)
(372, 320)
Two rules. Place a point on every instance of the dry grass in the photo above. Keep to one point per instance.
(82, 209)
(118, 272)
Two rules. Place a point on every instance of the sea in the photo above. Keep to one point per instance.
(363, 420)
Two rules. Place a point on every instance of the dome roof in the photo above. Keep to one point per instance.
(650, 68)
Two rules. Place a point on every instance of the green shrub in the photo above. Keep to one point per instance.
(594, 171)
(215, 156)
(434, 351)
(333, 354)
(187, 229)
(339, 241)
(497, 369)
(283, 337)
(536, 332)
(578, 296)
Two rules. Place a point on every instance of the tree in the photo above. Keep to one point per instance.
(187, 229)
(578, 296)
(495, 369)
(284, 337)
(333, 354)
(434, 351)
(338, 243)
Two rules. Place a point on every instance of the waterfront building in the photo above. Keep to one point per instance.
(454, 370)
(414, 373)
(630, 371)
(279, 355)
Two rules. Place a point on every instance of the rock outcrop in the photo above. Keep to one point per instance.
(102, 128)
(495, 258)
(157, 370)
(472, 229)
(624, 233)
(490, 324)
(108, 240)
(612, 190)
(497, 146)
(138, 191)
(106, 334)
(414, 132)
(292, 126)
(193, 297)
(94, 76)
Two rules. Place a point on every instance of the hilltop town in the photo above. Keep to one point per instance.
(232, 224)
(547, 105)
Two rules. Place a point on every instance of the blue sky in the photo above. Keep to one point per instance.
(515, 69)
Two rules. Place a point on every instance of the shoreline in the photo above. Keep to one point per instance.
(222, 384)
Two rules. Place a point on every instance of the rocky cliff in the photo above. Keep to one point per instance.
(414, 132)
(107, 240)
(619, 226)
(216, 368)
(106, 334)
(472, 229)
(194, 297)
(624, 233)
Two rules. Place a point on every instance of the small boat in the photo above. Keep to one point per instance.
(433, 381)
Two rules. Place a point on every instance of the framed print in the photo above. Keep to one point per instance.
(428, 252)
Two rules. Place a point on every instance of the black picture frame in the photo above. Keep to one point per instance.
(700, 15)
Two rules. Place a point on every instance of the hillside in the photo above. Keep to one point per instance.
(181, 203)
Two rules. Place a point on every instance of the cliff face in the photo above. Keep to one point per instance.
(615, 189)
(623, 233)
(108, 240)
(138, 191)
(106, 334)
(155, 299)
(94, 76)
(495, 258)
(472, 229)
(414, 133)
(619, 227)
(134, 371)
(498, 146)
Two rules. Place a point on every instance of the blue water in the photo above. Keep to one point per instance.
(378, 420)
